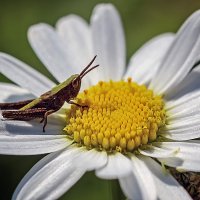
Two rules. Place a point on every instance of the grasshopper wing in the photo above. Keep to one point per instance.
(31, 104)
(49, 94)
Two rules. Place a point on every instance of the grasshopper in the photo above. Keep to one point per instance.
(49, 102)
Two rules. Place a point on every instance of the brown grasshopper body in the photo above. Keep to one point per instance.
(48, 102)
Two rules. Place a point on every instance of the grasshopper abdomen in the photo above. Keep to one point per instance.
(15, 105)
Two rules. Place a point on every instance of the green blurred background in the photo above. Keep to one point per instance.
(142, 19)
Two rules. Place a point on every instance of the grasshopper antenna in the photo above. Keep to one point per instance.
(82, 75)
(86, 68)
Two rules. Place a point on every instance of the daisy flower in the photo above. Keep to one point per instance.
(138, 120)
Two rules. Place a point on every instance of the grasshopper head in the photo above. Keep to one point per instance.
(76, 82)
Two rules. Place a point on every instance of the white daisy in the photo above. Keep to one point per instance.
(160, 124)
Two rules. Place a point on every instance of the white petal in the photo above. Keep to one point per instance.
(182, 128)
(183, 123)
(140, 184)
(23, 75)
(186, 109)
(32, 144)
(76, 36)
(51, 51)
(152, 151)
(27, 138)
(185, 101)
(182, 135)
(186, 158)
(49, 178)
(189, 85)
(167, 187)
(13, 93)
(145, 62)
(188, 91)
(180, 58)
(91, 159)
(117, 166)
(131, 188)
(108, 42)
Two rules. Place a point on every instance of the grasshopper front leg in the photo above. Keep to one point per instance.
(72, 102)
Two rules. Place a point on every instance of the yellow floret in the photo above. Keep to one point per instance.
(121, 116)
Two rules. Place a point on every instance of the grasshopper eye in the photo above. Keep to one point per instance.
(75, 83)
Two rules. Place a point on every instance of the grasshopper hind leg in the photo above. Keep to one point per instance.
(29, 114)
(44, 119)
(24, 115)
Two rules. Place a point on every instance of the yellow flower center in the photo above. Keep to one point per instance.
(121, 116)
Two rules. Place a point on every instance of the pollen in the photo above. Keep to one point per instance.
(119, 116)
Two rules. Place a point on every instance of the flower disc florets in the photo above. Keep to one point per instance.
(120, 116)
